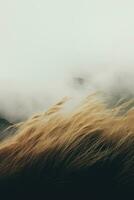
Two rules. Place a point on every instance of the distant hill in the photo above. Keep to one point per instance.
(5, 129)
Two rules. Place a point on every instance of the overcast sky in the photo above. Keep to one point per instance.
(43, 43)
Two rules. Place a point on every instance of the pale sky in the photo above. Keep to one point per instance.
(38, 34)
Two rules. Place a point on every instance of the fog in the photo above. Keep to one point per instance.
(50, 49)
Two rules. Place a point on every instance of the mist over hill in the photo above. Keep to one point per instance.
(26, 97)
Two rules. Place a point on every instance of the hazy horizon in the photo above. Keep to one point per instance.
(44, 45)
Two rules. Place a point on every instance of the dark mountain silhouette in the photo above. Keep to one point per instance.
(6, 128)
